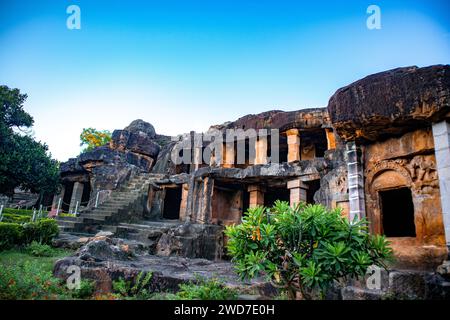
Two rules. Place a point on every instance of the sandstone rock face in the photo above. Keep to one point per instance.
(131, 150)
(134, 142)
(141, 127)
(391, 102)
(276, 119)
(110, 259)
(408, 162)
(192, 240)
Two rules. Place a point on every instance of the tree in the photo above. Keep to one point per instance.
(91, 138)
(303, 249)
(24, 162)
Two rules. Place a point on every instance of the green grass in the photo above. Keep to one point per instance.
(19, 256)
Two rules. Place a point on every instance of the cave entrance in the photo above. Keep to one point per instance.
(226, 204)
(314, 186)
(398, 213)
(172, 203)
(85, 197)
(276, 193)
(68, 189)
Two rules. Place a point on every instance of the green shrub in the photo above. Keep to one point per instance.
(15, 218)
(40, 250)
(303, 249)
(42, 231)
(29, 280)
(134, 289)
(10, 235)
(86, 290)
(206, 290)
(70, 215)
(25, 212)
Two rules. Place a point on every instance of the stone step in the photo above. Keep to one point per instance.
(96, 215)
(120, 199)
(65, 224)
(116, 204)
(74, 219)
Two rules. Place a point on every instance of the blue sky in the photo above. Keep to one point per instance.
(185, 65)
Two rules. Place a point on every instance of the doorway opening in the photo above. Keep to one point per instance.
(314, 186)
(397, 213)
(172, 202)
(276, 193)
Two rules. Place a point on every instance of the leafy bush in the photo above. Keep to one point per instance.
(10, 235)
(42, 231)
(134, 289)
(40, 250)
(303, 249)
(86, 290)
(206, 290)
(70, 215)
(23, 212)
(29, 280)
(15, 218)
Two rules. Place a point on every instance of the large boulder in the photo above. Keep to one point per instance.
(391, 103)
(139, 143)
(141, 127)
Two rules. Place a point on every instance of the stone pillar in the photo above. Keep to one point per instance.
(355, 174)
(198, 157)
(184, 198)
(261, 150)
(293, 140)
(331, 139)
(228, 155)
(441, 135)
(77, 193)
(256, 196)
(197, 151)
(298, 191)
(206, 189)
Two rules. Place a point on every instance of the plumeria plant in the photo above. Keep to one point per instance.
(305, 248)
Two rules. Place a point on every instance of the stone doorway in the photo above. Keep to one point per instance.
(313, 187)
(226, 204)
(68, 189)
(276, 193)
(397, 213)
(172, 203)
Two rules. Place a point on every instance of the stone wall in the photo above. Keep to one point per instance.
(408, 162)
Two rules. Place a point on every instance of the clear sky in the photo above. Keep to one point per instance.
(185, 65)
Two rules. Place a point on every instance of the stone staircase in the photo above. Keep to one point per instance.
(124, 204)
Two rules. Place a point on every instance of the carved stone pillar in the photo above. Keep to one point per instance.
(256, 196)
(184, 198)
(441, 135)
(228, 155)
(293, 140)
(261, 150)
(331, 139)
(298, 191)
(355, 179)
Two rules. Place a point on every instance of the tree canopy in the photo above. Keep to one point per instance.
(24, 162)
(91, 138)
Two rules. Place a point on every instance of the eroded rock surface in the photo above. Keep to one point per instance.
(391, 102)
(105, 260)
